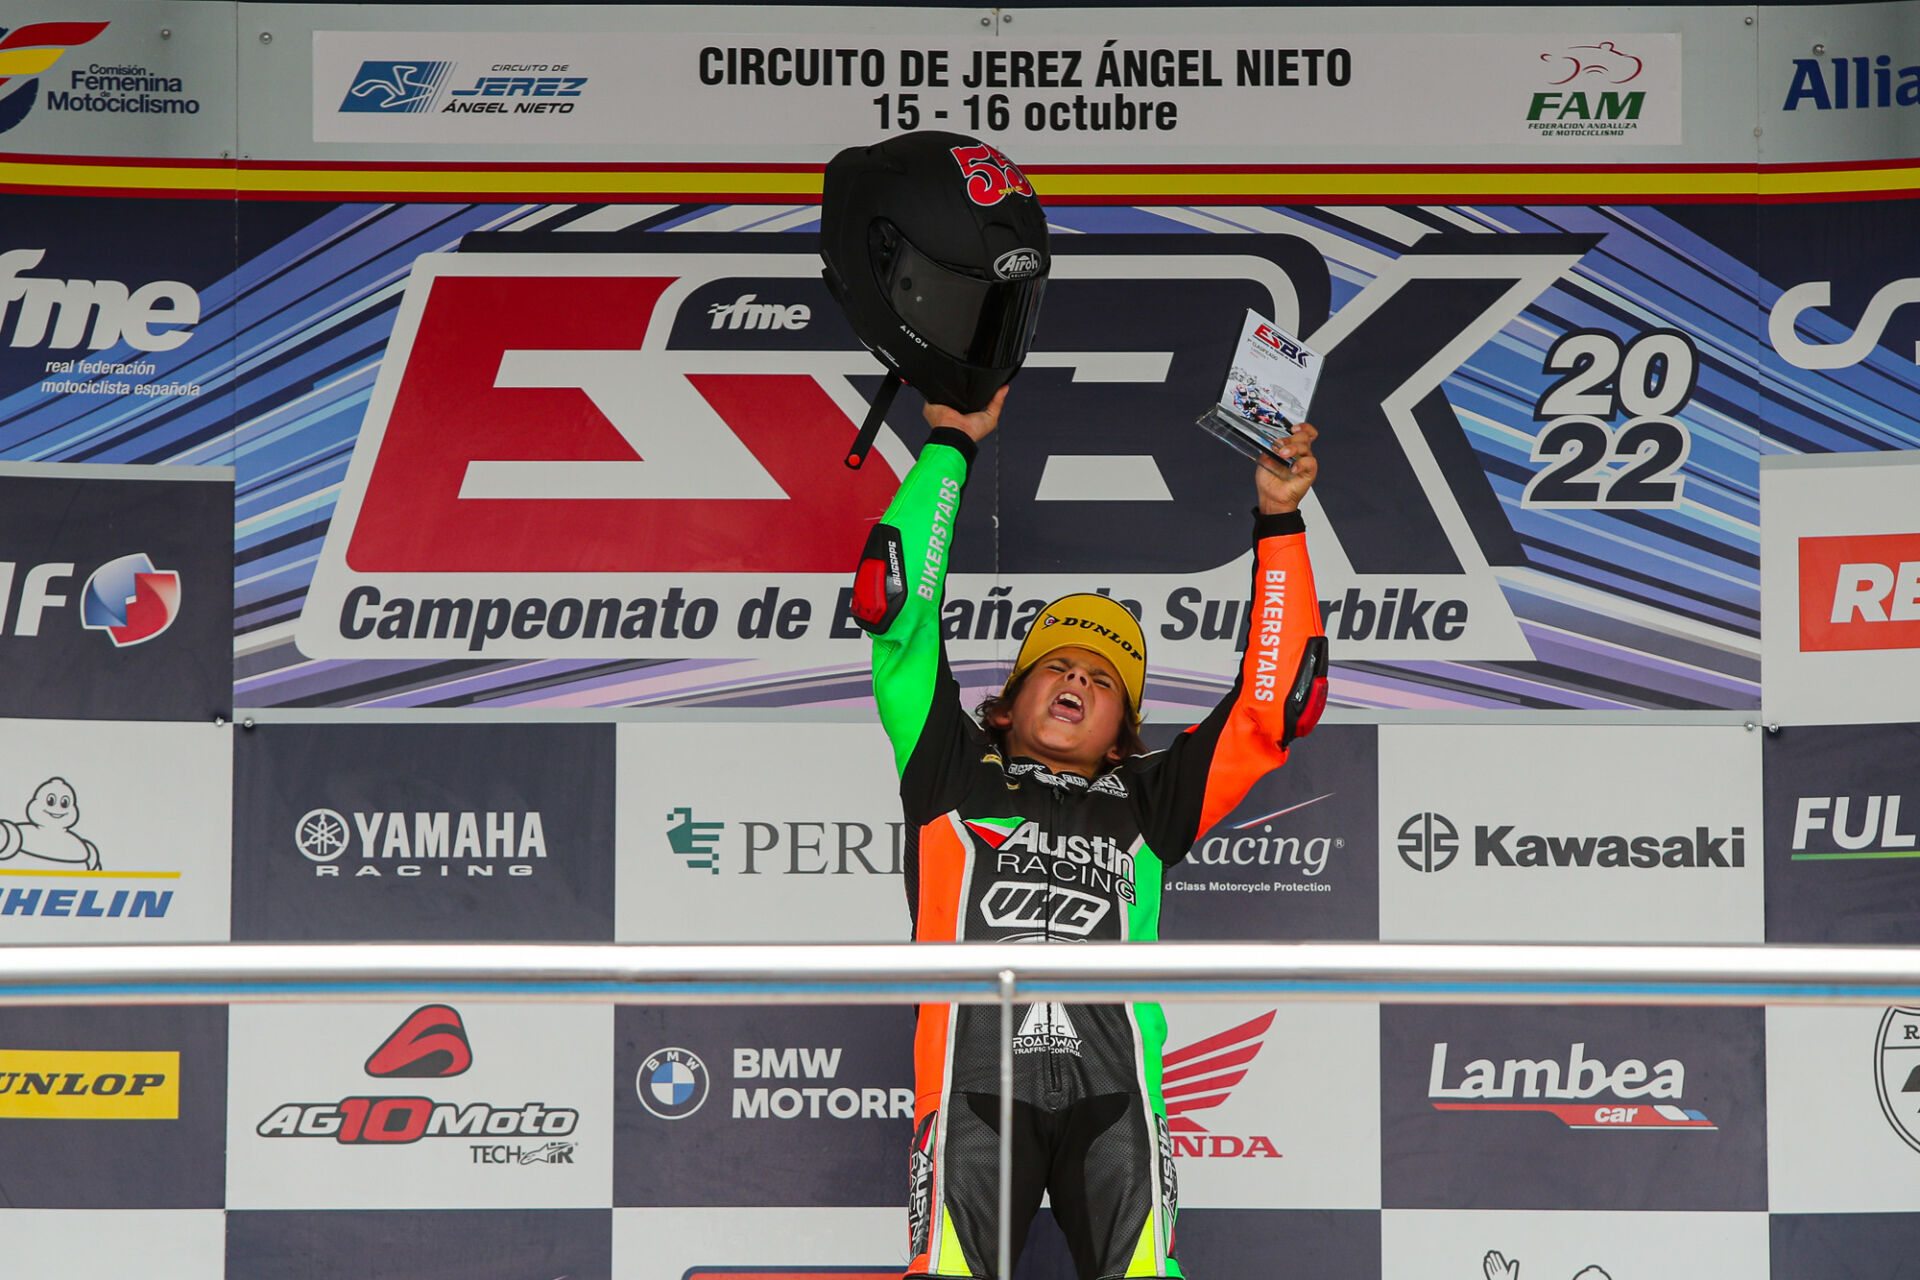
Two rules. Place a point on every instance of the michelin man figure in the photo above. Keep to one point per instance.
(48, 833)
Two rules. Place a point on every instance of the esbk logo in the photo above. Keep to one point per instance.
(27, 51)
(131, 600)
(395, 88)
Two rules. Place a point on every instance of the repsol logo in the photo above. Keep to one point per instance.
(367, 1121)
(1498, 846)
(61, 314)
(834, 1102)
(81, 1084)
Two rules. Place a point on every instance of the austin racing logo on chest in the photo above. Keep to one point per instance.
(1096, 863)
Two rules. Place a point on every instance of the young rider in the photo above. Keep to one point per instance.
(1046, 824)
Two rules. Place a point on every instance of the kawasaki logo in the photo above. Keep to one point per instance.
(1428, 843)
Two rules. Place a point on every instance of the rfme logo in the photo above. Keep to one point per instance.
(745, 313)
(394, 88)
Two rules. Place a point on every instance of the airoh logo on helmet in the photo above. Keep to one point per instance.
(1017, 264)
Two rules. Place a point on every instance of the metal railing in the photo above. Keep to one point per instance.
(966, 973)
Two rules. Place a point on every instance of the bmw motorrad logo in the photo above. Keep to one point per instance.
(672, 1083)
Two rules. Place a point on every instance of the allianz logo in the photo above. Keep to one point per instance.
(814, 1102)
(746, 313)
(479, 840)
(1431, 842)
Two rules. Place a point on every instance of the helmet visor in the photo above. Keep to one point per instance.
(976, 321)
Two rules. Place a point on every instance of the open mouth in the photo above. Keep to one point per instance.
(1069, 708)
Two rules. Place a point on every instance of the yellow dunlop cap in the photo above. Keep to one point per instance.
(1090, 622)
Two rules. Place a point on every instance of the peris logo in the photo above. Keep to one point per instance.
(45, 842)
(1485, 1086)
(1854, 826)
(431, 1043)
(1203, 1075)
(784, 848)
(72, 1084)
(1430, 842)
(1582, 102)
(407, 844)
(1866, 80)
(1896, 1075)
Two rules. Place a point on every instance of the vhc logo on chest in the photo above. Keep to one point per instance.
(1021, 848)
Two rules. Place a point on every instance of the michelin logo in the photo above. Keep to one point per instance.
(47, 834)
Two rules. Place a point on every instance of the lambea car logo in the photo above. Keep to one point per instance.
(131, 600)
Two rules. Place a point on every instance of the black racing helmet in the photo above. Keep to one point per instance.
(936, 249)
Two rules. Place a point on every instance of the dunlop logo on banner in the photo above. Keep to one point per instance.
(89, 1084)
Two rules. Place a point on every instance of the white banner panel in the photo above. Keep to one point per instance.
(820, 87)
(1428, 1244)
(1840, 584)
(706, 1244)
(758, 833)
(1843, 1110)
(113, 1244)
(114, 831)
(429, 1107)
(1607, 833)
(1300, 1129)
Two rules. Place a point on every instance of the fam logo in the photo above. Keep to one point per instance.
(1430, 842)
(395, 88)
(27, 51)
(1203, 1075)
(1860, 592)
(429, 1044)
(85, 1084)
(1588, 1094)
(44, 842)
(1497, 1266)
(407, 845)
(1897, 1072)
(1864, 80)
(759, 847)
(673, 1083)
(131, 599)
(1584, 101)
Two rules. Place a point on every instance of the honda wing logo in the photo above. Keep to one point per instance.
(1203, 1075)
(636, 474)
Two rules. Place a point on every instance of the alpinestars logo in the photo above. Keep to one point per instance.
(130, 600)
(431, 1043)
(1047, 1029)
(1202, 1076)
(1485, 1086)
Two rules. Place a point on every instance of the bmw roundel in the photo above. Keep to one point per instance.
(672, 1083)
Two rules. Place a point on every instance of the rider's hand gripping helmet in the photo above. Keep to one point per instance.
(936, 249)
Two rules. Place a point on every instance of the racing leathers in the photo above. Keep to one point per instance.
(1007, 849)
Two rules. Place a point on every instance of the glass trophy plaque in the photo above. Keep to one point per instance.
(1269, 387)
